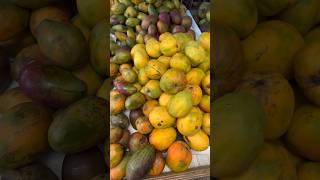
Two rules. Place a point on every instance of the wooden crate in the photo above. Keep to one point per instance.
(199, 173)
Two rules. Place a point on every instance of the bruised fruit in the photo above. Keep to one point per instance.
(179, 156)
(134, 115)
(158, 165)
(117, 102)
(160, 118)
(120, 120)
(143, 125)
(137, 140)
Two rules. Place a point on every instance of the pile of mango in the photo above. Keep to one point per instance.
(161, 87)
(136, 21)
(267, 90)
(56, 51)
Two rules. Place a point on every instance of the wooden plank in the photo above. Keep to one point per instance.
(199, 172)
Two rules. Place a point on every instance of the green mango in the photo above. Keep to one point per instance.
(119, 27)
(152, 10)
(80, 126)
(92, 11)
(131, 12)
(132, 22)
(122, 56)
(135, 101)
(118, 8)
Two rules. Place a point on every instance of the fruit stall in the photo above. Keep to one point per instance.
(267, 90)
(58, 78)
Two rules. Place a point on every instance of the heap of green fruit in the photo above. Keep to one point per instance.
(267, 90)
(58, 50)
(135, 22)
(165, 84)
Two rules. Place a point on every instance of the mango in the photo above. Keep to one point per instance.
(164, 99)
(165, 60)
(155, 69)
(152, 89)
(183, 39)
(13, 20)
(129, 75)
(153, 48)
(205, 103)
(149, 106)
(168, 44)
(92, 80)
(198, 141)
(173, 81)
(92, 12)
(130, 12)
(206, 123)
(68, 52)
(80, 126)
(139, 56)
(180, 104)
(122, 56)
(195, 52)
(161, 139)
(205, 83)
(98, 48)
(160, 118)
(191, 123)
(134, 101)
(51, 85)
(117, 102)
(181, 62)
(77, 21)
(196, 93)
(27, 125)
(195, 76)
(51, 13)
(204, 40)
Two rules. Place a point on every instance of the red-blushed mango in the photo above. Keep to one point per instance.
(179, 156)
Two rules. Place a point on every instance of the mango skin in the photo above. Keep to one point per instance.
(51, 85)
(23, 131)
(180, 104)
(13, 20)
(64, 44)
(80, 126)
(92, 11)
(98, 48)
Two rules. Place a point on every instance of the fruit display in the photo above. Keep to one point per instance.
(200, 11)
(53, 95)
(160, 89)
(266, 90)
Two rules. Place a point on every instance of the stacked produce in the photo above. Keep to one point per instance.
(57, 56)
(266, 95)
(201, 13)
(161, 87)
